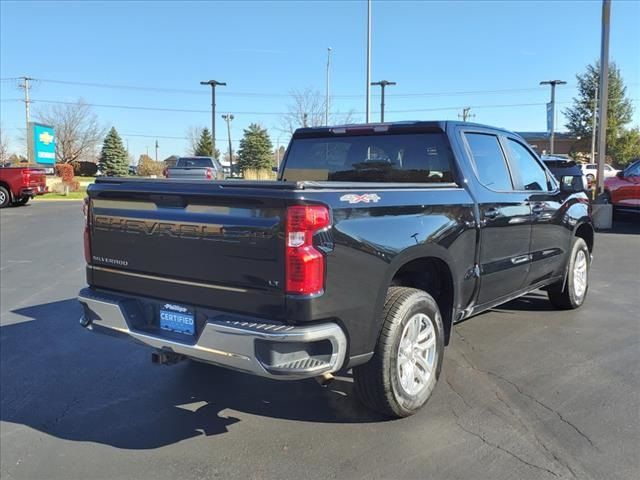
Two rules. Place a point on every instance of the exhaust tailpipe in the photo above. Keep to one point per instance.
(325, 379)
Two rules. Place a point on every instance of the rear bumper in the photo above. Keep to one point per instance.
(266, 349)
(33, 191)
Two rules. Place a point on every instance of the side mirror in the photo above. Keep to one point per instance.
(620, 174)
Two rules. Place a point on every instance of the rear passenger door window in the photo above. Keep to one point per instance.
(532, 175)
(489, 161)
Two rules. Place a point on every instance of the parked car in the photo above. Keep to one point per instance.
(19, 184)
(623, 190)
(374, 241)
(133, 170)
(567, 172)
(590, 171)
(196, 168)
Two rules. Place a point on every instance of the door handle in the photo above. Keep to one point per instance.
(520, 259)
(537, 209)
(492, 213)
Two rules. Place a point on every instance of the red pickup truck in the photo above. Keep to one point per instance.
(19, 184)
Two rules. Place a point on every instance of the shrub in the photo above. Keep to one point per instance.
(61, 187)
(65, 172)
(147, 167)
(259, 174)
(85, 169)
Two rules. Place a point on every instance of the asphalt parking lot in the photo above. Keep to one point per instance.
(526, 392)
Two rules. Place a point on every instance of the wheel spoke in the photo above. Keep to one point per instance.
(424, 346)
(425, 332)
(423, 365)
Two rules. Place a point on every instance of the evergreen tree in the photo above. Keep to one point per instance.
(204, 147)
(619, 111)
(625, 148)
(256, 149)
(114, 159)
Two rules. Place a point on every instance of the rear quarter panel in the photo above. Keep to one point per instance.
(372, 241)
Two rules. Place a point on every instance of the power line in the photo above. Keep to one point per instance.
(185, 110)
(281, 95)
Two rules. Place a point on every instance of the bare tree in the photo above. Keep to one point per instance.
(307, 109)
(4, 146)
(78, 132)
(193, 137)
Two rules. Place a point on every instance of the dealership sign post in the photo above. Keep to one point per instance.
(43, 141)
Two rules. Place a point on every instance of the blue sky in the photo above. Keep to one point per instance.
(263, 50)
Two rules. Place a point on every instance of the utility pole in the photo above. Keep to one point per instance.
(604, 94)
(465, 114)
(327, 101)
(214, 84)
(25, 86)
(227, 118)
(382, 84)
(156, 149)
(551, 115)
(305, 117)
(368, 101)
(594, 125)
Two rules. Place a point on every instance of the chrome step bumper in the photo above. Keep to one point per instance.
(273, 350)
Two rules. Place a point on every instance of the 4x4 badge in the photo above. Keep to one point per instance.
(355, 198)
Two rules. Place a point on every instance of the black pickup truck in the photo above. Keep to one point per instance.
(373, 242)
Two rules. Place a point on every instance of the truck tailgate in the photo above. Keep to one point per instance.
(189, 246)
(187, 172)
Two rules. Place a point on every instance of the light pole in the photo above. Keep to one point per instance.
(214, 84)
(156, 150)
(604, 94)
(594, 125)
(326, 102)
(466, 114)
(552, 105)
(227, 118)
(278, 152)
(368, 94)
(382, 84)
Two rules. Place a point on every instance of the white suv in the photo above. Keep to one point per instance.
(590, 170)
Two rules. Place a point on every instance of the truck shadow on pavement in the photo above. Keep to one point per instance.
(67, 382)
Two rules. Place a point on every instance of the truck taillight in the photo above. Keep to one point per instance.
(304, 263)
(26, 177)
(86, 210)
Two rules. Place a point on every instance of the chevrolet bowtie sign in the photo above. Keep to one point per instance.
(43, 146)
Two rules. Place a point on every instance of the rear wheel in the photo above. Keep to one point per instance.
(5, 197)
(572, 294)
(406, 364)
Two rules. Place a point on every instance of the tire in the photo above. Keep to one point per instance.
(573, 292)
(387, 383)
(5, 197)
(21, 201)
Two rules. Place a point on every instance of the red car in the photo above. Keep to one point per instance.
(623, 190)
(19, 184)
